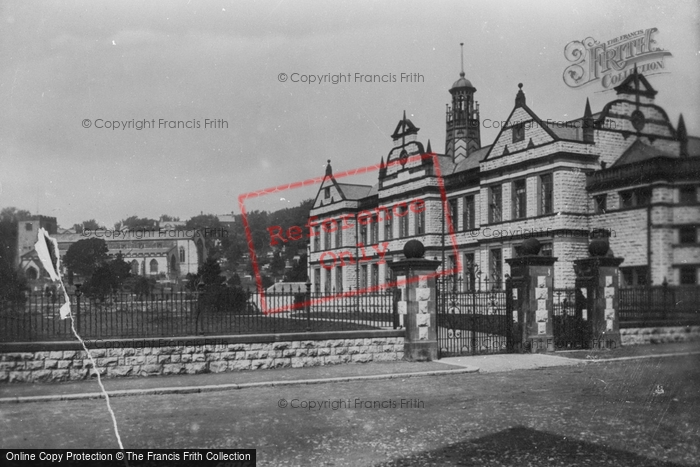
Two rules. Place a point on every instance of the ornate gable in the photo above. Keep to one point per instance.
(523, 130)
(330, 191)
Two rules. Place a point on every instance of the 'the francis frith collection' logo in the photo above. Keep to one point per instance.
(612, 61)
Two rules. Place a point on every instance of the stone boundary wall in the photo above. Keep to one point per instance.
(659, 335)
(66, 361)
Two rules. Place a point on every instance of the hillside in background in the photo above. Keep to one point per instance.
(233, 252)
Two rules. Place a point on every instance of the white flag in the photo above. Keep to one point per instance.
(47, 249)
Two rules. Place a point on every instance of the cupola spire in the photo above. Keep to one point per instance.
(588, 135)
(462, 117)
(520, 97)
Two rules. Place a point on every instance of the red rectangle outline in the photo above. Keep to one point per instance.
(399, 283)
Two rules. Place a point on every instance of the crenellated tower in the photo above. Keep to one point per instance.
(462, 119)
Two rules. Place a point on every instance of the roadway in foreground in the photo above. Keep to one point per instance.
(637, 412)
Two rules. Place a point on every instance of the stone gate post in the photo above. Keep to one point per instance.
(418, 303)
(532, 279)
(598, 276)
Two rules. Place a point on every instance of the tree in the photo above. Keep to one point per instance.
(266, 281)
(277, 264)
(141, 286)
(298, 272)
(202, 221)
(12, 214)
(210, 228)
(13, 284)
(136, 223)
(167, 218)
(210, 273)
(119, 269)
(108, 278)
(85, 256)
(90, 224)
(234, 280)
(8, 239)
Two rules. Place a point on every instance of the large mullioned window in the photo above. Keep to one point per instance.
(546, 194)
(495, 204)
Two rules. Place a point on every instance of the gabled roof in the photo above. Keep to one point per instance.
(68, 237)
(554, 137)
(570, 133)
(354, 192)
(573, 130)
(472, 161)
(446, 164)
(638, 152)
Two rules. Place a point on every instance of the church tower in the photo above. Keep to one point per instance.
(463, 126)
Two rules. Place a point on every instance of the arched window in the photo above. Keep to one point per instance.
(32, 274)
(182, 254)
(173, 264)
(135, 267)
(154, 266)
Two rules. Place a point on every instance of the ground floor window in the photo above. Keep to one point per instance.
(634, 276)
(327, 284)
(338, 279)
(496, 268)
(689, 275)
(470, 270)
(375, 275)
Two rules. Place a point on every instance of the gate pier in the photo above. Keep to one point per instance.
(598, 278)
(417, 302)
(531, 290)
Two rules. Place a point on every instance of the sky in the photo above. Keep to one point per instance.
(69, 68)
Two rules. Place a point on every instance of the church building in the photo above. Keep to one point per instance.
(625, 172)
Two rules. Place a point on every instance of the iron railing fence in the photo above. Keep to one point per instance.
(228, 311)
(659, 304)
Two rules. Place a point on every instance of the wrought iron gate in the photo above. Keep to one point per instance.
(572, 325)
(472, 322)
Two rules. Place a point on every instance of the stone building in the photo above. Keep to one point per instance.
(27, 261)
(167, 253)
(625, 171)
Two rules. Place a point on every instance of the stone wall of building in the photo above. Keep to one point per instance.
(629, 239)
(65, 361)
